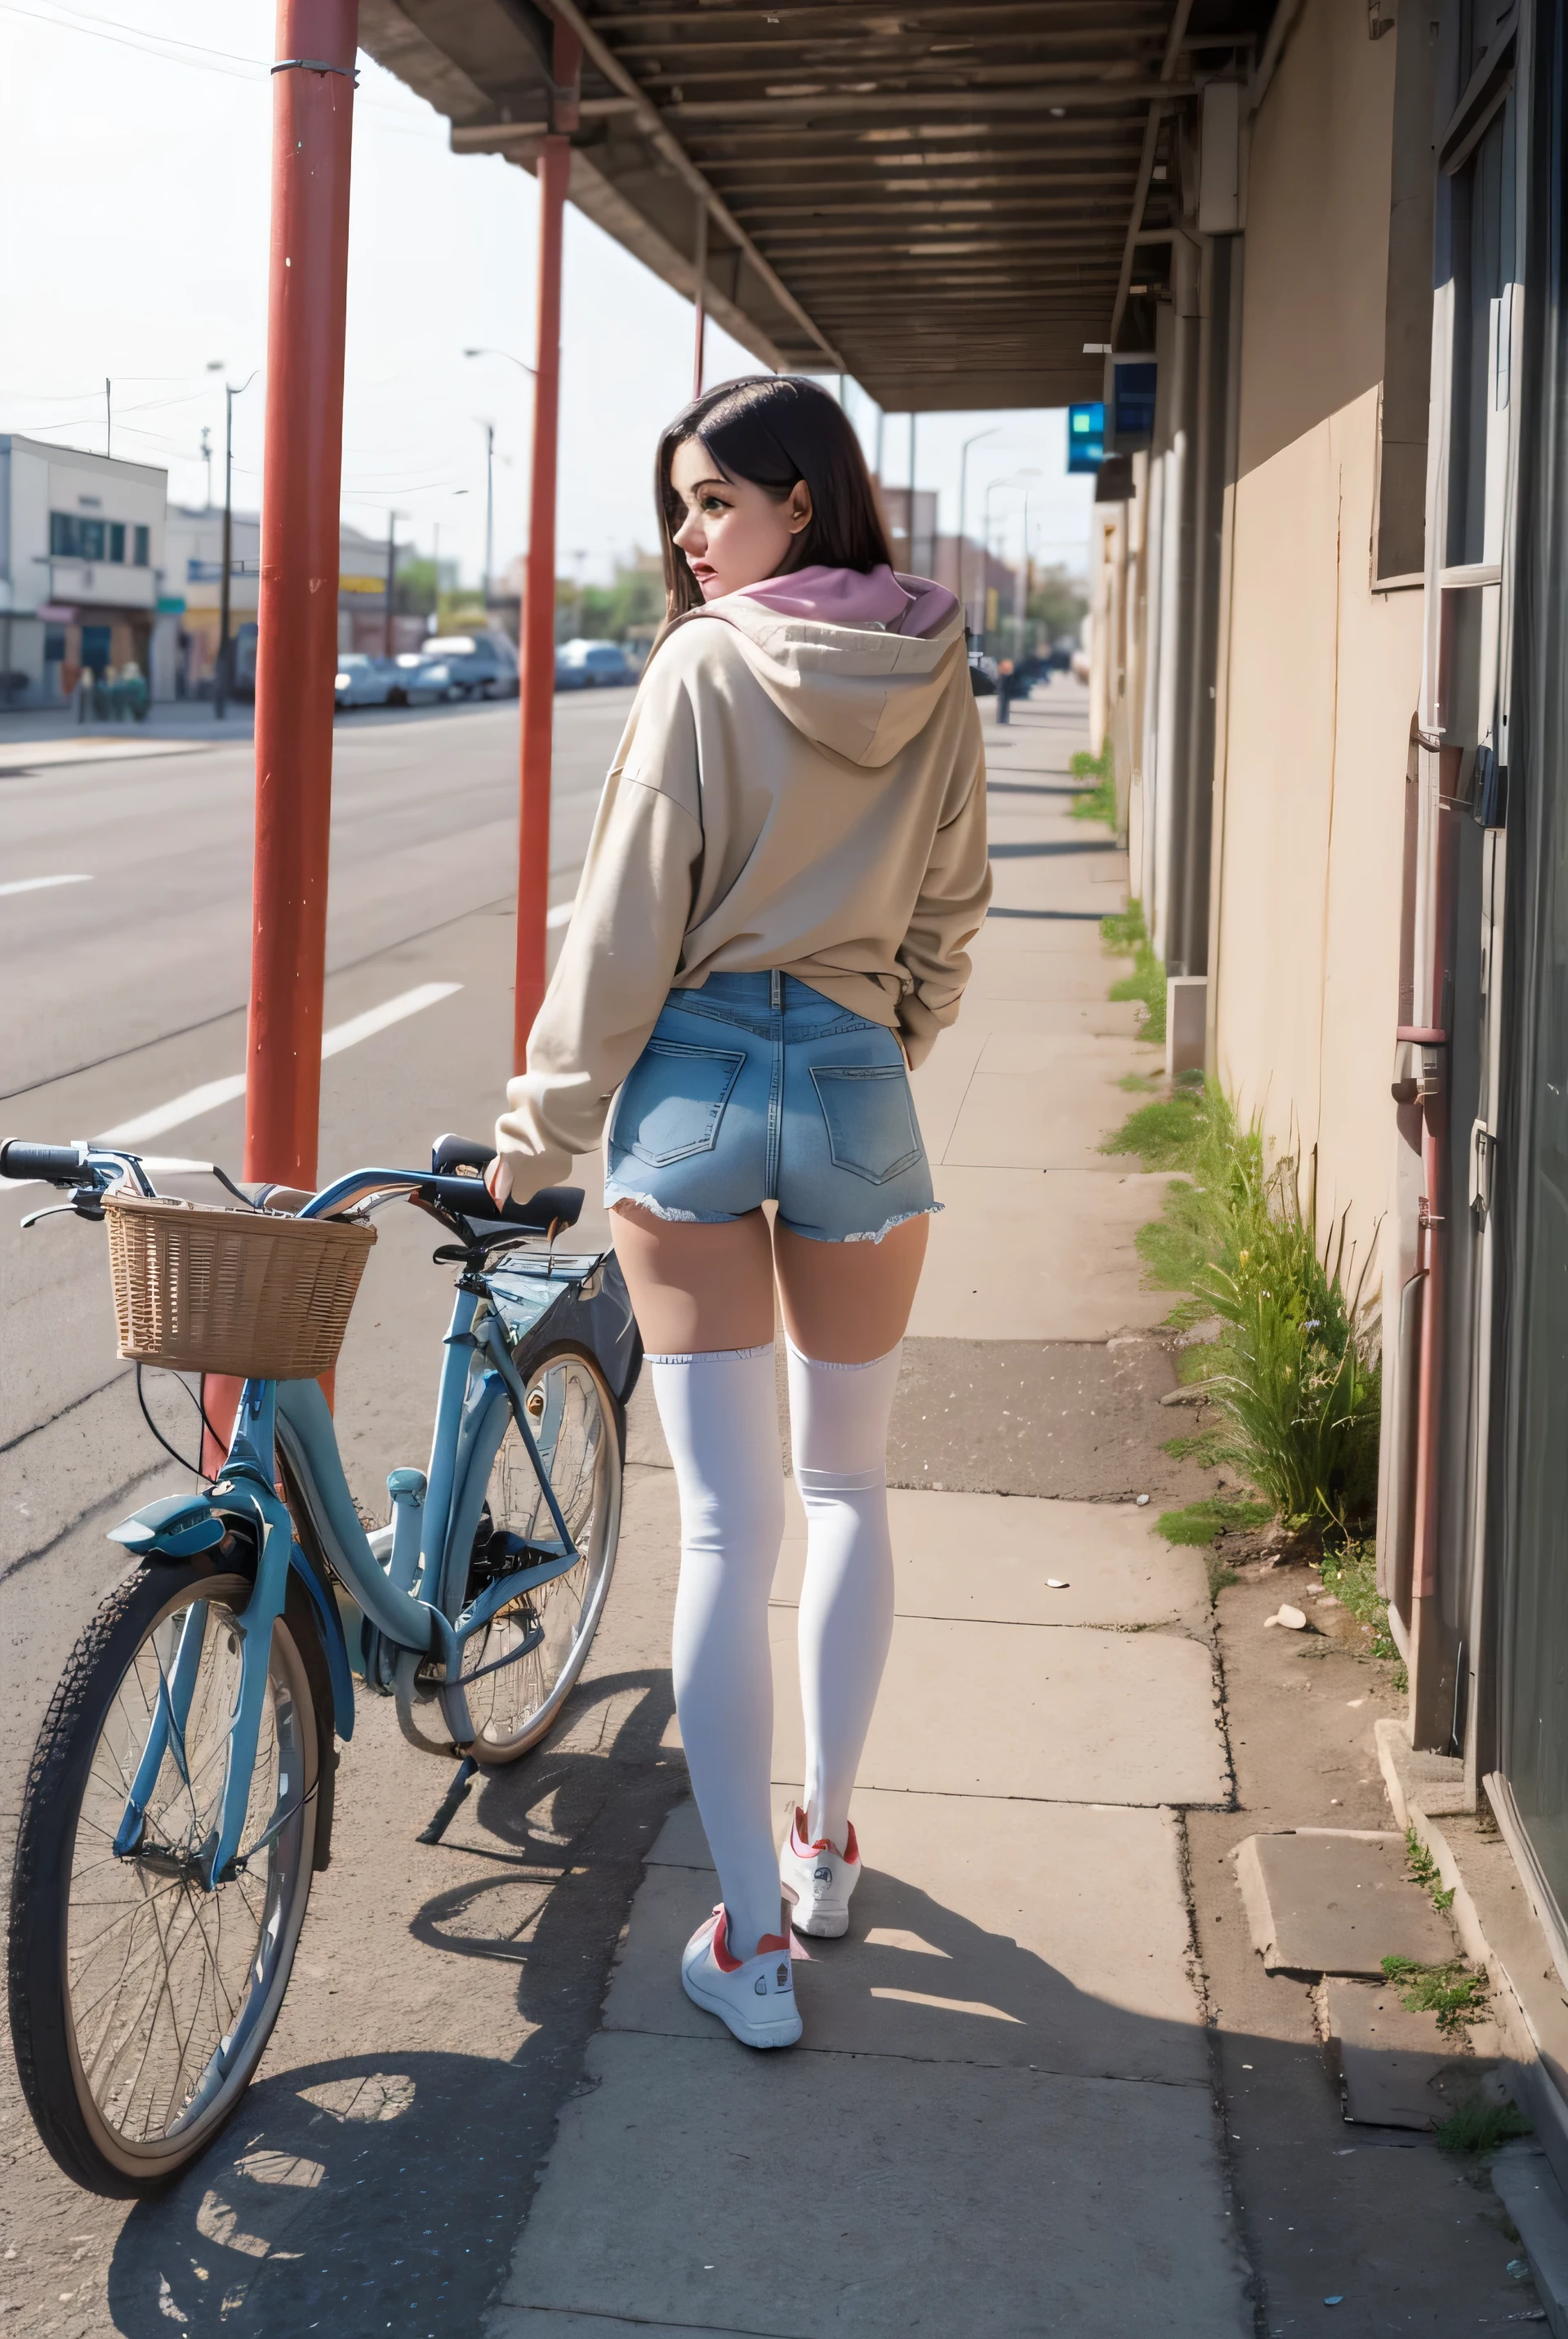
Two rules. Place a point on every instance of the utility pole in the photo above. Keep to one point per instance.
(489, 511)
(392, 576)
(964, 508)
(108, 418)
(221, 678)
(207, 459)
(1021, 591)
(221, 672)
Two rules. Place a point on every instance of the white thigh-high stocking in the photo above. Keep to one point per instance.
(720, 1417)
(838, 1431)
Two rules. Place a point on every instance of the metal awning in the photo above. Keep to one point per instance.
(946, 201)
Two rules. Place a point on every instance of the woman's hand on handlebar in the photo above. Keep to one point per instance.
(499, 1180)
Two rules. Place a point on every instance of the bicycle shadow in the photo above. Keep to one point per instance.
(384, 2188)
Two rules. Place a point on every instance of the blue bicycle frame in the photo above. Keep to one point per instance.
(406, 1602)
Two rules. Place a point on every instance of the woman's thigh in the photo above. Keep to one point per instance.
(845, 1303)
(695, 1288)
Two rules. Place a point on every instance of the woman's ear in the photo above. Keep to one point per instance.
(799, 507)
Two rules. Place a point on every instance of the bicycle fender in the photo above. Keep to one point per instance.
(332, 1641)
(176, 1528)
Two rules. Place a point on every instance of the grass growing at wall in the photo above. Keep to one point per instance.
(1125, 934)
(1099, 801)
(1300, 1402)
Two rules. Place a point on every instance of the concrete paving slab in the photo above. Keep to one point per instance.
(1048, 1714)
(1042, 1936)
(1328, 1901)
(990, 1557)
(1024, 1255)
(1524, 2181)
(1041, 1101)
(973, 2199)
(1059, 1418)
(1396, 2068)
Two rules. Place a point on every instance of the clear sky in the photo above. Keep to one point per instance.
(133, 181)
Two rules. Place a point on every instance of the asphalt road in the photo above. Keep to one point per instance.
(382, 2165)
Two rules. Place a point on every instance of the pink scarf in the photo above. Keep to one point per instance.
(856, 597)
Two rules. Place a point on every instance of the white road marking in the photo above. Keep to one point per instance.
(212, 1093)
(37, 884)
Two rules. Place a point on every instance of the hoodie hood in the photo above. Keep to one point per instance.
(860, 692)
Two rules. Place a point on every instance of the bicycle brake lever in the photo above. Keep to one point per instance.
(55, 1211)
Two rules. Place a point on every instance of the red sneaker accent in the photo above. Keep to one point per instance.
(771, 1944)
(721, 1947)
(798, 1842)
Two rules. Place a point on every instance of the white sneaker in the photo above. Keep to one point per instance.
(753, 1997)
(817, 1880)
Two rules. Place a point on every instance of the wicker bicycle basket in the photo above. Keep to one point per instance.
(232, 1292)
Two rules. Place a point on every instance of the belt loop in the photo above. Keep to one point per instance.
(776, 981)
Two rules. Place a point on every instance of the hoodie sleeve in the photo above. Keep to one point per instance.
(952, 903)
(622, 949)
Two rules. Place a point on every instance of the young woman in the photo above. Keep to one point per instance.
(788, 861)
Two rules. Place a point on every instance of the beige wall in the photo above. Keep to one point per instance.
(1322, 674)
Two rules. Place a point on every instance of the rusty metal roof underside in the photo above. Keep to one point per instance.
(946, 201)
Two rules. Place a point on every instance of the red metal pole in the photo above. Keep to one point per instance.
(297, 645)
(537, 681)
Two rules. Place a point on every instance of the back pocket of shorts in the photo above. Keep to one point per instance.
(672, 1100)
(870, 1118)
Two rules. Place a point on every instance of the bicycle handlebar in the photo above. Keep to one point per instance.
(54, 1165)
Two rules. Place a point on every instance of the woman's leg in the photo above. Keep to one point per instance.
(846, 1307)
(704, 1302)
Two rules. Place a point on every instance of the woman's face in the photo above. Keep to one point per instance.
(734, 533)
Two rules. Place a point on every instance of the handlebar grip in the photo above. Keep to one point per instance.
(54, 1165)
(554, 1205)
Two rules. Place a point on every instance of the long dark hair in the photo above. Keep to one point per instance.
(774, 429)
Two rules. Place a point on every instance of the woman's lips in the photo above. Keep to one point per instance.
(704, 574)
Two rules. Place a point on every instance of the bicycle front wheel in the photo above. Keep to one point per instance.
(140, 2001)
(573, 1419)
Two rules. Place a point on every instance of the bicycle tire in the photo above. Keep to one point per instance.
(67, 2073)
(537, 1685)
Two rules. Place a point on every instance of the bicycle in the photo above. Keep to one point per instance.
(181, 1793)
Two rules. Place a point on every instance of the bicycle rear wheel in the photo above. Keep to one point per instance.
(140, 2003)
(573, 1420)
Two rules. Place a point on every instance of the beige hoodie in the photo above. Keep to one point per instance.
(786, 793)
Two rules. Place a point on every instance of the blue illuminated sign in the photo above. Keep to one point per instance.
(1086, 435)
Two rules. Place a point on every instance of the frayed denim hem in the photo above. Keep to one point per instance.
(929, 1210)
(666, 1210)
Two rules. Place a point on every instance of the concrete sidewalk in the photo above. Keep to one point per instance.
(1002, 2116)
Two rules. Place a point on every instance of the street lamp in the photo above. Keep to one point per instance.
(490, 431)
(1010, 480)
(963, 501)
(220, 672)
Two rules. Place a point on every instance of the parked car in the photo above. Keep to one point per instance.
(419, 680)
(479, 666)
(593, 665)
(363, 681)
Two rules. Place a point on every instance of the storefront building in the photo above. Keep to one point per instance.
(81, 558)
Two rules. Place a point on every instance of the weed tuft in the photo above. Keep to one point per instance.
(1454, 1992)
(1350, 1573)
(1218, 1514)
(1301, 1400)
(1125, 934)
(1480, 2127)
(1099, 801)
(1422, 1869)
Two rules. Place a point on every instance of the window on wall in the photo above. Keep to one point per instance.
(73, 536)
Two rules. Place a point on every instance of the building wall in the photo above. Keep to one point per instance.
(1322, 673)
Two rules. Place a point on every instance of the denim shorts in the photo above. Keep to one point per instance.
(756, 1089)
